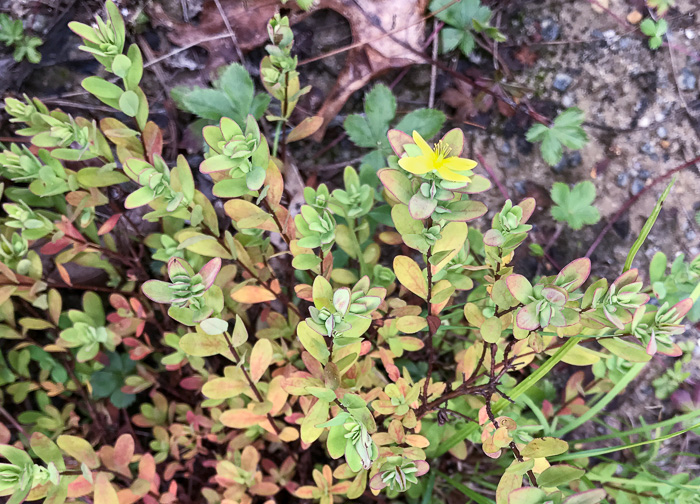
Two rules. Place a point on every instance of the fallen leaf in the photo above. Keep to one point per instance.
(380, 30)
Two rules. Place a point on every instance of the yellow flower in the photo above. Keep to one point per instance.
(438, 159)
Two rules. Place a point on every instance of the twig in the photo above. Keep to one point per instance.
(493, 176)
(14, 423)
(231, 34)
(257, 393)
(634, 199)
(433, 69)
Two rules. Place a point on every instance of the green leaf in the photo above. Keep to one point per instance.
(565, 131)
(359, 131)
(380, 105)
(544, 447)
(425, 121)
(129, 103)
(558, 475)
(574, 206)
(313, 343)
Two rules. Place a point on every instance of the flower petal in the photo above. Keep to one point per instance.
(452, 176)
(424, 147)
(416, 165)
(459, 164)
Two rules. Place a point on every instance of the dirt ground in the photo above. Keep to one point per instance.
(642, 114)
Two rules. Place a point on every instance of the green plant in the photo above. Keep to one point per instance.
(465, 20)
(661, 6)
(670, 286)
(369, 130)
(574, 206)
(12, 33)
(251, 353)
(565, 131)
(231, 95)
(655, 31)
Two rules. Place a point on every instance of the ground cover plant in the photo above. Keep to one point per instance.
(174, 331)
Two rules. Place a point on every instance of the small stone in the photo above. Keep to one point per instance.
(644, 122)
(597, 34)
(661, 132)
(626, 43)
(690, 235)
(503, 147)
(689, 34)
(610, 36)
(637, 187)
(687, 80)
(549, 29)
(622, 180)
(562, 82)
(665, 144)
(634, 17)
(648, 149)
(644, 174)
(521, 187)
(524, 147)
(561, 165)
(574, 159)
(567, 101)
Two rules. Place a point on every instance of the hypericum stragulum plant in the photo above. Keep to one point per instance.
(348, 346)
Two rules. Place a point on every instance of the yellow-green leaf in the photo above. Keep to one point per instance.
(410, 275)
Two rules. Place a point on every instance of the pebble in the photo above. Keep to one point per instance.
(568, 160)
(687, 80)
(637, 186)
(644, 122)
(521, 187)
(661, 132)
(567, 101)
(622, 180)
(524, 147)
(644, 174)
(690, 235)
(562, 82)
(503, 147)
(575, 159)
(689, 34)
(549, 30)
(648, 149)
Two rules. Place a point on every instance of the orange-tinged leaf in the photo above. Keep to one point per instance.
(417, 440)
(123, 450)
(289, 434)
(264, 488)
(410, 275)
(224, 388)
(305, 128)
(247, 215)
(109, 224)
(104, 491)
(251, 294)
(240, 418)
(260, 359)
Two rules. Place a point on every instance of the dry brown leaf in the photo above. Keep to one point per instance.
(370, 21)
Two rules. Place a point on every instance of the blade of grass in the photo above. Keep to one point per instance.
(519, 389)
(630, 375)
(475, 496)
(641, 430)
(611, 449)
(428, 494)
(647, 226)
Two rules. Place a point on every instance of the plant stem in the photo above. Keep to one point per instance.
(257, 393)
(358, 248)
